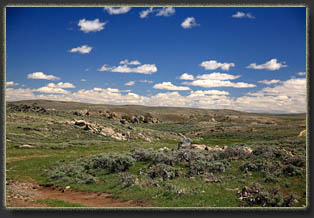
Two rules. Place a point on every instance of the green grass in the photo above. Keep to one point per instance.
(63, 142)
(58, 203)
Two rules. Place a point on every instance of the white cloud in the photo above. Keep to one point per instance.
(240, 14)
(208, 83)
(186, 76)
(130, 83)
(47, 89)
(104, 68)
(127, 62)
(84, 49)
(12, 94)
(269, 82)
(207, 92)
(270, 65)
(41, 75)
(217, 76)
(83, 80)
(11, 83)
(213, 65)
(142, 69)
(249, 15)
(166, 11)
(189, 22)
(145, 13)
(169, 86)
(302, 73)
(117, 10)
(91, 25)
(146, 81)
(287, 97)
(61, 85)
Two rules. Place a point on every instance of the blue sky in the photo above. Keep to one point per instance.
(242, 58)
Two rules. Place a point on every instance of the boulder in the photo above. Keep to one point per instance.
(302, 133)
(200, 147)
(26, 146)
(123, 121)
(185, 143)
(80, 123)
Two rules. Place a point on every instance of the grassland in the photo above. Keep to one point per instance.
(252, 160)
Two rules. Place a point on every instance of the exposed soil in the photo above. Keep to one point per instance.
(21, 194)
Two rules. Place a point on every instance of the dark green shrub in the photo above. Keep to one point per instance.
(264, 151)
(162, 171)
(111, 162)
(291, 170)
(256, 195)
(201, 167)
(142, 154)
(127, 179)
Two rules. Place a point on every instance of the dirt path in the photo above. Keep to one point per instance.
(11, 159)
(20, 194)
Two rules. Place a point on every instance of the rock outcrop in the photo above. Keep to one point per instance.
(81, 113)
(302, 133)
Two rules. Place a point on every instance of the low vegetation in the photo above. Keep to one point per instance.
(238, 159)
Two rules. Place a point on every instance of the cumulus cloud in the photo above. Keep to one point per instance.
(146, 81)
(170, 86)
(47, 89)
(240, 14)
(207, 92)
(209, 83)
(130, 83)
(84, 49)
(186, 76)
(269, 82)
(117, 10)
(41, 75)
(11, 83)
(145, 13)
(127, 62)
(83, 80)
(286, 97)
(213, 65)
(142, 69)
(217, 79)
(269, 65)
(302, 73)
(217, 76)
(166, 11)
(61, 85)
(189, 22)
(91, 25)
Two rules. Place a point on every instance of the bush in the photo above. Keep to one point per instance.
(234, 152)
(127, 179)
(112, 163)
(71, 173)
(270, 178)
(142, 154)
(162, 171)
(264, 151)
(188, 155)
(291, 170)
(201, 167)
(257, 195)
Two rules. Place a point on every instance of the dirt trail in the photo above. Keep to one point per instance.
(11, 159)
(20, 194)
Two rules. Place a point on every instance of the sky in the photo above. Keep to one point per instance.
(242, 58)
